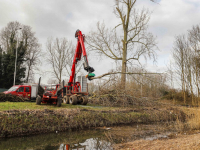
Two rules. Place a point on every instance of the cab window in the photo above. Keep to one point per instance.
(27, 89)
(21, 89)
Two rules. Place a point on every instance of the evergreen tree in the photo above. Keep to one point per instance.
(1, 79)
(28, 52)
(8, 64)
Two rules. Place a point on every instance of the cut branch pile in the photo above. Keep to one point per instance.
(116, 98)
(11, 98)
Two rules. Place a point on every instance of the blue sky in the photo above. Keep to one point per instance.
(62, 18)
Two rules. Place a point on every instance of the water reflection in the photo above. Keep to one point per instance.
(82, 140)
(89, 144)
(100, 139)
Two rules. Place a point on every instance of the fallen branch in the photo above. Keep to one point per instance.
(110, 73)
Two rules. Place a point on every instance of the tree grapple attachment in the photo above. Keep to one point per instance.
(73, 89)
(70, 93)
(90, 75)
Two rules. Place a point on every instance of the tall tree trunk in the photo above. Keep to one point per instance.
(124, 61)
(29, 69)
(183, 89)
(60, 76)
(191, 89)
(123, 76)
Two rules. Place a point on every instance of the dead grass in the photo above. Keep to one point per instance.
(27, 122)
(192, 118)
(181, 142)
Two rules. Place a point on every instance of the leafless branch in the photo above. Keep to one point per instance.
(130, 73)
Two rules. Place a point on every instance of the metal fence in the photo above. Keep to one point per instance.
(2, 89)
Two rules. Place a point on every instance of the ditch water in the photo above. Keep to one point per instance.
(95, 139)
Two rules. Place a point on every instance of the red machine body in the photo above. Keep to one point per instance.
(50, 96)
(70, 93)
(74, 87)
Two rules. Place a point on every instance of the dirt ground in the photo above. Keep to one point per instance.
(11, 98)
(178, 142)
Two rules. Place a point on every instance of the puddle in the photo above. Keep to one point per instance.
(123, 134)
(158, 136)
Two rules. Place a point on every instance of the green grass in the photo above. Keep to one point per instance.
(31, 105)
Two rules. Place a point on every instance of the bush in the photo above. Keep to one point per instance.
(174, 94)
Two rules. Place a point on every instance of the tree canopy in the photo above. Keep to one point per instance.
(17, 37)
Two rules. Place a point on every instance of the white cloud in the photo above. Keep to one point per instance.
(169, 19)
(62, 18)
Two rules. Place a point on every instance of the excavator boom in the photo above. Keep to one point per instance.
(80, 50)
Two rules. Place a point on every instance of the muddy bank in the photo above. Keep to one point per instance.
(183, 142)
(129, 133)
(28, 122)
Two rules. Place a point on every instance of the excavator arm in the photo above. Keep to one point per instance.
(80, 50)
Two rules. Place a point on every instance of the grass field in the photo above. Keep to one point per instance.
(31, 105)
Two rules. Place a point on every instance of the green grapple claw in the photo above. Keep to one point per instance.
(91, 75)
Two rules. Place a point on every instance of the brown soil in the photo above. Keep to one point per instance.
(179, 142)
(11, 98)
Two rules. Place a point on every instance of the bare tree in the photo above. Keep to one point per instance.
(33, 52)
(135, 41)
(194, 40)
(58, 50)
(28, 41)
(9, 33)
(179, 55)
(188, 71)
(186, 55)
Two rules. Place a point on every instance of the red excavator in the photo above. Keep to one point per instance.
(70, 93)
